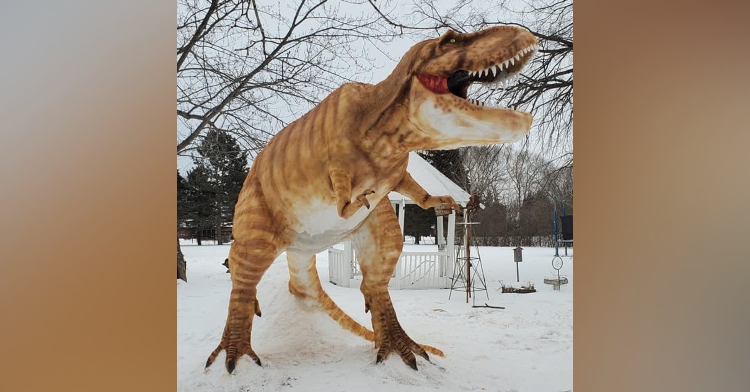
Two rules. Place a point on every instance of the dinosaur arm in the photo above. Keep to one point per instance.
(342, 190)
(411, 189)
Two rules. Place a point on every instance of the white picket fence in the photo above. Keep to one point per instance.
(415, 270)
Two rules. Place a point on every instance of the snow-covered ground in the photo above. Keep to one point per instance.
(528, 346)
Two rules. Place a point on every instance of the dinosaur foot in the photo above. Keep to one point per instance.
(443, 203)
(234, 352)
(362, 197)
(236, 342)
(390, 337)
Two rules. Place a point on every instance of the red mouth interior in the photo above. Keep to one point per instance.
(435, 83)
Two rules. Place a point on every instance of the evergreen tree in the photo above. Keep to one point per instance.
(537, 216)
(213, 185)
(182, 200)
(493, 221)
(420, 222)
(226, 168)
(199, 201)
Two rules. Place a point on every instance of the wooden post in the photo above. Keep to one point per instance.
(401, 211)
(439, 230)
(348, 263)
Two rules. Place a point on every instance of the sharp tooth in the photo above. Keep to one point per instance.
(512, 61)
(494, 71)
(471, 73)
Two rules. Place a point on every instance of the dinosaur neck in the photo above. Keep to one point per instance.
(386, 132)
(391, 135)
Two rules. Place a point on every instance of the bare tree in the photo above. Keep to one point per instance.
(558, 182)
(484, 170)
(545, 88)
(524, 173)
(248, 67)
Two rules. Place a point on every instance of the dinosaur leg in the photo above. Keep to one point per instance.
(255, 247)
(303, 276)
(378, 243)
(304, 282)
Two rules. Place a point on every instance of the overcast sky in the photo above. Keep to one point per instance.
(387, 55)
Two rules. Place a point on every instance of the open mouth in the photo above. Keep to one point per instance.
(496, 75)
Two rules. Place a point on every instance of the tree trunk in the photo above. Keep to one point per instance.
(181, 265)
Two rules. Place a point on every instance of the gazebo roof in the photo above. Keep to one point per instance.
(432, 180)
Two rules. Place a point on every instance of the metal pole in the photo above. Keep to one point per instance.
(467, 238)
(554, 220)
(564, 214)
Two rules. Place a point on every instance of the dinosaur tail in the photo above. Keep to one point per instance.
(338, 315)
(351, 325)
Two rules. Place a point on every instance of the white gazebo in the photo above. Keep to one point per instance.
(414, 269)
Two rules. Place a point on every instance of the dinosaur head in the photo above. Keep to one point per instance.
(440, 72)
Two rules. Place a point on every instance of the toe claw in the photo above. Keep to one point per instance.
(230, 366)
(412, 362)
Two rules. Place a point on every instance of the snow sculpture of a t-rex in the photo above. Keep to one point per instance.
(297, 196)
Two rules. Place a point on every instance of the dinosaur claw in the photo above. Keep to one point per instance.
(230, 366)
(363, 198)
(412, 362)
(257, 360)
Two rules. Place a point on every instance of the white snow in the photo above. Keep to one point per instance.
(528, 346)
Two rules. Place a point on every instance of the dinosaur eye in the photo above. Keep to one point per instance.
(453, 40)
